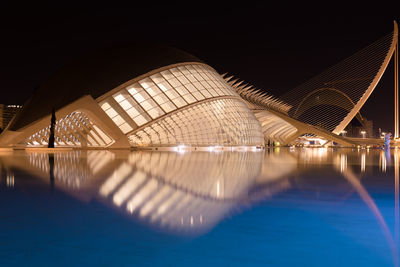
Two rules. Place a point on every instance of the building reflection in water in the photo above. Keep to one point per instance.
(191, 192)
(186, 193)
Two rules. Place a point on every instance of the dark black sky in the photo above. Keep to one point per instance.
(272, 47)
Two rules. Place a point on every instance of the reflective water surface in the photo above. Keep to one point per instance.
(278, 207)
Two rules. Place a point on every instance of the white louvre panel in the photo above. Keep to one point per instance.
(75, 129)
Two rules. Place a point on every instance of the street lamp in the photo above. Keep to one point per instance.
(363, 133)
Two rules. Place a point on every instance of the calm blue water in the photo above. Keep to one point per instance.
(282, 207)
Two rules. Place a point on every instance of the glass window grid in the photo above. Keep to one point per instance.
(189, 97)
(144, 108)
(163, 92)
(115, 116)
(129, 108)
(235, 126)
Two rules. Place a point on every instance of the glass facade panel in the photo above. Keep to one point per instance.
(113, 114)
(148, 104)
(156, 112)
(140, 120)
(198, 96)
(179, 102)
(189, 98)
(161, 99)
(133, 112)
(125, 105)
(154, 90)
(181, 90)
(168, 107)
(125, 127)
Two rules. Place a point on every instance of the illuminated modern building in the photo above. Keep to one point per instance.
(163, 97)
(136, 97)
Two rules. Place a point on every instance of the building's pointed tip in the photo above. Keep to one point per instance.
(228, 78)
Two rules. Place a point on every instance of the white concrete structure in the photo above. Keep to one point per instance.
(179, 101)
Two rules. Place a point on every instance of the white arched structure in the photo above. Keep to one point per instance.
(373, 84)
(181, 104)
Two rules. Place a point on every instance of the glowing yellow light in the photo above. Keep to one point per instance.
(343, 162)
(363, 162)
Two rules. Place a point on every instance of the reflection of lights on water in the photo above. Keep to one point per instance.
(153, 202)
(128, 187)
(312, 154)
(10, 179)
(181, 149)
(142, 195)
(343, 162)
(363, 162)
(113, 181)
(321, 152)
(165, 205)
(396, 201)
(382, 161)
(191, 221)
(215, 148)
(218, 192)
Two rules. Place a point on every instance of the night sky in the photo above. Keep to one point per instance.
(274, 48)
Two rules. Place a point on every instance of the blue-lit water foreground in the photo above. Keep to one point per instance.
(278, 207)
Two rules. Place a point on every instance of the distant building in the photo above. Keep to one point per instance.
(369, 128)
(365, 130)
(7, 112)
